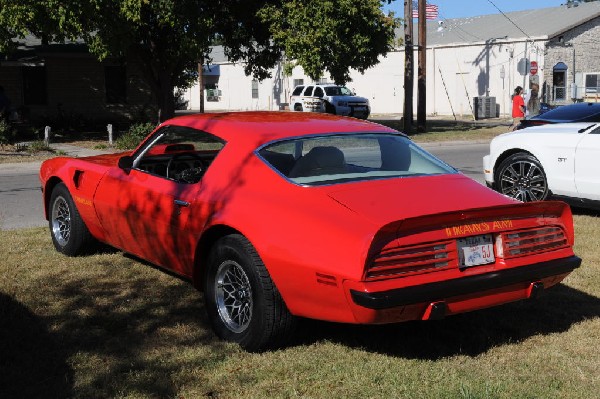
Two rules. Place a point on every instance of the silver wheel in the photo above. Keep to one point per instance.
(233, 296)
(61, 221)
(522, 177)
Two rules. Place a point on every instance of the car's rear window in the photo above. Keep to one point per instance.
(297, 90)
(355, 157)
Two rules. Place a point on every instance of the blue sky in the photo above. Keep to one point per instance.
(468, 8)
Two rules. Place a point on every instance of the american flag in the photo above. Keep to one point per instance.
(431, 10)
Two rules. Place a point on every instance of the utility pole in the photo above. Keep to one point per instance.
(408, 67)
(422, 70)
(201, 83)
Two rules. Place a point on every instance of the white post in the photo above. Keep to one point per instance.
(47, 131)
(110, 133)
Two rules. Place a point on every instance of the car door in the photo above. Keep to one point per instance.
(587, 165)
(145, 210)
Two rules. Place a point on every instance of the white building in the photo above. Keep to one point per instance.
(485, 56)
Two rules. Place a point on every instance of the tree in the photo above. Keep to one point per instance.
(169, 37)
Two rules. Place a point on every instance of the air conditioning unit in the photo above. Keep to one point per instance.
(484, 107)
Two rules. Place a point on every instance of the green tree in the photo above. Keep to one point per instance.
(169, 37)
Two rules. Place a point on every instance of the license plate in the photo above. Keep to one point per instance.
(477, 250)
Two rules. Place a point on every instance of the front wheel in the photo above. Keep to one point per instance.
(69, 232)
(522, 177)
(242, 302)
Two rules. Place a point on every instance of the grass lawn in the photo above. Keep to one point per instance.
(109, 326)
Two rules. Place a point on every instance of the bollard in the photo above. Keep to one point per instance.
(110, 133)
(47, 131)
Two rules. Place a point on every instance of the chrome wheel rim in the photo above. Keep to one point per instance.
(61, 221)
(524, 180)
(233, 296)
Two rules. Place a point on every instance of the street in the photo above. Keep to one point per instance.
(21, 201)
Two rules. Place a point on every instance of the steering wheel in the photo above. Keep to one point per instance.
(188, 174)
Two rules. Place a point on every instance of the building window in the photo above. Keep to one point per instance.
(322, 81)
(212, 92)
(34, 85)
(115, 84)
(298, 82)
(592, 83)
(255, 89)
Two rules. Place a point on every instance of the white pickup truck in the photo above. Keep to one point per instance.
(329, 98)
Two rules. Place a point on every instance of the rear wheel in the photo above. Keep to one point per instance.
(242, 302)
(522, 177)
(69, 233)
(298, 107)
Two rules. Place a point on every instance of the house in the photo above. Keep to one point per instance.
(471, 62)
(64, 84)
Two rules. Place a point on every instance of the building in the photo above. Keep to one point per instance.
(471, 62)
(63, 84)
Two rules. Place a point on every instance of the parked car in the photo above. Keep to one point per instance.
(276, 215)
(578, 112)
(554, 160)
(330, 98)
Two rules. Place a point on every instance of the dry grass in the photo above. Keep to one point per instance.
(108, 326)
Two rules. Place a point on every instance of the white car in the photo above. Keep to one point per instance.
(330, 98)
(560, 160)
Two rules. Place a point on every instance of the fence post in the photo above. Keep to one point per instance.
(47, 131)
(109, 127)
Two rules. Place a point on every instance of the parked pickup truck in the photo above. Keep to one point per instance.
(329, 98)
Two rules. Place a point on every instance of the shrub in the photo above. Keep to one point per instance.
(38, 146)
(7, 133)
(132, 138)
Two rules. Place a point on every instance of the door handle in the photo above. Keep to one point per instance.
(182, 203)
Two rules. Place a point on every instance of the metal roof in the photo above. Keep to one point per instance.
(541, 24)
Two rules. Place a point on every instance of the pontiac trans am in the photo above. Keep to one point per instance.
(280, 215)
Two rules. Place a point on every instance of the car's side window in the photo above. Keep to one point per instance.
(318, 92)
(309, 91)
(178, 153)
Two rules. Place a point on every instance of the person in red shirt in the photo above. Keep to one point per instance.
(518, 107)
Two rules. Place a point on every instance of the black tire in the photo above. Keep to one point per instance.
(298, 107)
(242, 302)
(521, 176)
(329, 108)
(70, 235)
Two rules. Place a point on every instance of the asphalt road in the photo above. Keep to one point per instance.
(21, 202)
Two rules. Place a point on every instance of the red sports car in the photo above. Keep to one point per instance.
(275, 215)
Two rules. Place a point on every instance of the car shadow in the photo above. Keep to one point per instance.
(468, 334)
(32, 359)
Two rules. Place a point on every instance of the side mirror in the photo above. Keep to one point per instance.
(126, 162)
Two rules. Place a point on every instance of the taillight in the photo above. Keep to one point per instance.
(527, 242)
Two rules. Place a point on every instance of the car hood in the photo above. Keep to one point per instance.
(349, 98)
(386, 201)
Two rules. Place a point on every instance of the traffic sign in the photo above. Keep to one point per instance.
(533, 67)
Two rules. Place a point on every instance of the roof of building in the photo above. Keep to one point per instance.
(541, 24)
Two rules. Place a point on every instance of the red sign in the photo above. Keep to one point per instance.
(533, 68)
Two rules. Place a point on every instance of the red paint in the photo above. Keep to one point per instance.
(316, 242)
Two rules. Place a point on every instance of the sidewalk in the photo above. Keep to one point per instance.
(61, 148)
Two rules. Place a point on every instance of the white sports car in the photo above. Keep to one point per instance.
(558, 160)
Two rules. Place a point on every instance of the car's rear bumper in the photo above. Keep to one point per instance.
(460, 295)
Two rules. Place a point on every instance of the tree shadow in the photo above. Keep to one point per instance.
(32, 359)
(468, 334)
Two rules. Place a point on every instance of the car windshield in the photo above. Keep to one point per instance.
(351, 157)
(338, 91)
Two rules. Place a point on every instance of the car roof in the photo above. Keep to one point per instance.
(571, 112)
(260, 127)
